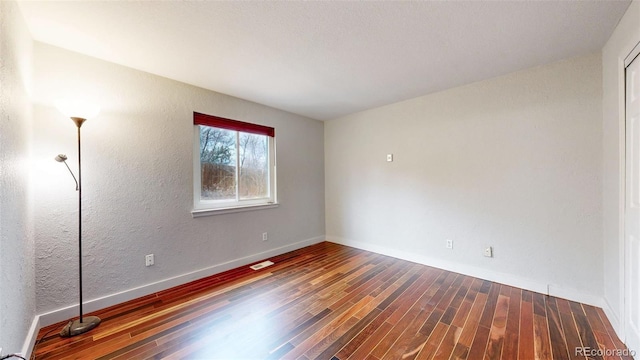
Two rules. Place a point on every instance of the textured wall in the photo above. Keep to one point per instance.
(137, 180)
(17, 293)
(622, 41)
(513, 162)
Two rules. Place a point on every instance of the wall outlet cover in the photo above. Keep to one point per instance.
(149, 260)
(488, 252)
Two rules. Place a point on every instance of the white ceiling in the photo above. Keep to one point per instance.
(325, 59)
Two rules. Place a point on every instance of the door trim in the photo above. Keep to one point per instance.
(633, 54)
(629, 59)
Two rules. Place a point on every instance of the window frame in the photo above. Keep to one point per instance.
(213, 207)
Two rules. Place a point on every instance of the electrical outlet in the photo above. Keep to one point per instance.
(449, 244)
(488, 252)
(148, 260)
(265, 236)
(389, 157)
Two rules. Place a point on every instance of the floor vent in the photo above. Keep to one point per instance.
(261, 265)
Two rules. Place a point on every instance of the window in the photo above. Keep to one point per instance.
(234, 165)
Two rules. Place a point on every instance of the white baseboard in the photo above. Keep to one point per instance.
(69, 312)
(614, 319)
(32, 337)
(485, 274)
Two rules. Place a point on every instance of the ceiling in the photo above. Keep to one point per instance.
(326, 59)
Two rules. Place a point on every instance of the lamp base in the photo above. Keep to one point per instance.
(76, 327)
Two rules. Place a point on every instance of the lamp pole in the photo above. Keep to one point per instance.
(79, 121)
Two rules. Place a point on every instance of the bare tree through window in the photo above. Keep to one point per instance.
(218, 163)
(253, 150)
(233, 164)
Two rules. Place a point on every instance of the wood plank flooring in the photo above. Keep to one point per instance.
(329, 301)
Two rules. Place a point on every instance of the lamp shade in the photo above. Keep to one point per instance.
(77, 109)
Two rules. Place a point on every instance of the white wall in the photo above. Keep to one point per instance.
(513, 162)
(137, 184)
(17, 290)
(622, 41)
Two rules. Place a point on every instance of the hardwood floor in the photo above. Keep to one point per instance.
(329, 301)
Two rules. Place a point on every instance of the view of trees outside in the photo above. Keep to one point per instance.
(220, 152)
(254, 166)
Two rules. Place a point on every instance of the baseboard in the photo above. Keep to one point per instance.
(613, 319)
(69, 312)
(32, 337)
(499, 277)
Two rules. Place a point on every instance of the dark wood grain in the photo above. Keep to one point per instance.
(541, 340)
(510, 347)
(329, 301)
(498, 329)
(526, 348)
(556, 332)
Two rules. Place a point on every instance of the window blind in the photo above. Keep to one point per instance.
(230, 124)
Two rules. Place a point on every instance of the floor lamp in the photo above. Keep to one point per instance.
(79, 113)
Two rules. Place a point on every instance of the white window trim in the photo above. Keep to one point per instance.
(209, 212)
(212, 207)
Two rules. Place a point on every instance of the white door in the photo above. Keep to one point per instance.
(632, 207)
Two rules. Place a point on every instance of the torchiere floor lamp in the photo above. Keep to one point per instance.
(79, 113)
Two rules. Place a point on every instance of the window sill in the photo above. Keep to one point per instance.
(229, 210)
